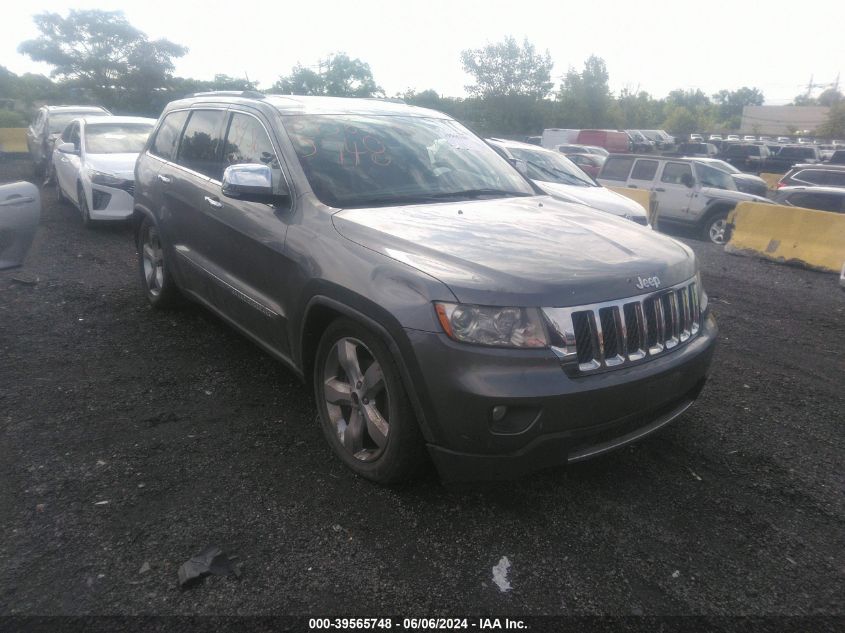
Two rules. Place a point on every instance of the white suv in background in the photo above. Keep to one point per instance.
(689, 193)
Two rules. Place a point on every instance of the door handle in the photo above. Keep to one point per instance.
(65, 160)
(164, 179)
(660, 189)
(213, 203)
(12, 202)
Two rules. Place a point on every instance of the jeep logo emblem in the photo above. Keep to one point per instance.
(648, 282)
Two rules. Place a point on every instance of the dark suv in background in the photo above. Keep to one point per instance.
(428, 291)
(48, 124)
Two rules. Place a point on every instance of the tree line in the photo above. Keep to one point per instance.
(99, 57)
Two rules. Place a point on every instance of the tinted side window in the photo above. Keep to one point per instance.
(74, 135)
(644, 170)
(200, 146)
(835, 179)
(617, 168)
(167, 137)
(674, 172)
(813, 176)
(247, 142)
(820, 201)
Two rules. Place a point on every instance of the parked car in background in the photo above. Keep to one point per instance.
(715, 137)
(766, 139)
(534, 140)
(790, 155)
(706, 150)
(48, 124)
(590, 164)
(696, 137)
(433, 300)
(747, 157)
(814, 175)
(20, 211)
(554, 136)
(560, 178)
(94, 164)
(689, 193)
(818, 198)
(733, 137)
(746, 183)
(639, 143)
(784, 139)
(837, 158)
(582, 149)
(662, 140)
(611, 140)
(749, 138)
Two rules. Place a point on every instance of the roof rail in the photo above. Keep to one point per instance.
(388, 99)
(246, 94)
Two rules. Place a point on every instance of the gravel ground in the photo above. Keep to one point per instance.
(132, 437)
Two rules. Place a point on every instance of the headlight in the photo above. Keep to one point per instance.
(489, 325)
(107, 180)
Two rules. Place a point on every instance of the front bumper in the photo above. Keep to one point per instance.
(555, 419)
(110, 203)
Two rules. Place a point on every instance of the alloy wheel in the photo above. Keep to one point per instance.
(717, 231)
(357, 399)
(153, 261)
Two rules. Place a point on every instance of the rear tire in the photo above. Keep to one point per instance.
(716, 229)
(159, 288)
(363, 408)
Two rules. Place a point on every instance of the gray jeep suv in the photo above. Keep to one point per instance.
(430, 293)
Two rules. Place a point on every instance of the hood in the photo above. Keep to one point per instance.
(121, 165)
(599, 198)
(534, 251)
(733, 196)
(748, 178)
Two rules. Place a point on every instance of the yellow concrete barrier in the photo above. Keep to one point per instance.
(642, 197)
(13, 140)
(771, 179)
(815, 239)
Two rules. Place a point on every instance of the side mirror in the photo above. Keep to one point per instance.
(253, 183)
(688, 180)
(520, 165)
(67, 148)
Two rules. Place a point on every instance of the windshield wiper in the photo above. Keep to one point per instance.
(569, 179)
(477, 193)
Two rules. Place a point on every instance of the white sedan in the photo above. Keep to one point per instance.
(94, 163)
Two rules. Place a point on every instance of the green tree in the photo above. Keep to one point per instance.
(337, 76)
(834, 126)
(681, 120)
(508, 69)
(585, 100)
(101, 53)
(731, 102)
(829, 97)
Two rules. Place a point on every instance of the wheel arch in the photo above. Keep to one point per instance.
(321, 310)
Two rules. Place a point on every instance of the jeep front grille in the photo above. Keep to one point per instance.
(615, 334)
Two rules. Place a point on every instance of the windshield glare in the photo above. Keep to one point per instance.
(551, 167)
(116, 138)
(711, 177)
(361, 160)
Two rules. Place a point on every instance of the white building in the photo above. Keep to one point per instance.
(782, 120)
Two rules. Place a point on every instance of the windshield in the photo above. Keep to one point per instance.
(710, 177)
(59, 121)
(362, 160)
(551, 167)
(116, 138)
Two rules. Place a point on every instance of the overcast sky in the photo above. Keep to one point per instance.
(653, 46)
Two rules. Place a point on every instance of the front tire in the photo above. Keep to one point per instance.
(363, 408)
(87, 222)
(159, 288)
(716, 229)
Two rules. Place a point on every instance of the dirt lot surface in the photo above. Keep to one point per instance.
(131, 439)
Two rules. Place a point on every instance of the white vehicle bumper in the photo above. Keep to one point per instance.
(109, 203)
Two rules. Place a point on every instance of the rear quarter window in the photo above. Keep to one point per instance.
(166, 139)
(201, 144)
(617, 168)
(644, 170)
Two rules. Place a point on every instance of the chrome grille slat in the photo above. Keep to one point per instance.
(617, 333)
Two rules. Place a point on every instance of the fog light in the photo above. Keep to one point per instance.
(101, 199)
(499, 412)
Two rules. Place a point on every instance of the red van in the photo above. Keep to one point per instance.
(613, 141)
